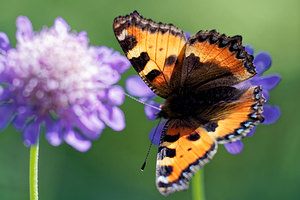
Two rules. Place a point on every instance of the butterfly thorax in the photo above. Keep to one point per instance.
(181, 105)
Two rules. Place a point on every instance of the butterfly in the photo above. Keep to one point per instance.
(200, 79)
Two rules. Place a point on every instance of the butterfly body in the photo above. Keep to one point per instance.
(199, 78)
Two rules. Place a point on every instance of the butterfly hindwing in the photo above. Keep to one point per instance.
(181, 153)
(234, 120)
(153, 49)
(212, 59)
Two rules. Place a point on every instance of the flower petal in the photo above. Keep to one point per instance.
(251, 133)
(90, 125)
(268, 82)
(112, 117)
(61, 26)
(53, 132)
(155, 133)
(4, 42)
(113, 58)
(137, 87)
(115, 95)
(262, 62)
(271, 114)
(24, 29)
(234, 147)
(23, 113)
(150, 111)
(31, 133)
(187, 34)
(109, 76)
(249, 49)
(266, 95)
(77, 141)
(6, 111)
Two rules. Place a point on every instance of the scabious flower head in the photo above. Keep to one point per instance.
(54, 78)
(136, 87)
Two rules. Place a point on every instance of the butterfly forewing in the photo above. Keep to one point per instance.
(212, 60)
(153, 49)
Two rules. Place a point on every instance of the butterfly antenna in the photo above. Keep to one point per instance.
(147, 104)
(149, 149)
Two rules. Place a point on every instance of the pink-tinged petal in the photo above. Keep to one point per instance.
(112, 117)
(137, 87)
(155, 133)
(53, 132)
(82, 37)
(4, 43)
(251, 133)
(234, 147)
(61, 26)
(262, 62)
(150, 111)
(6, 111)
(24, 29)
(77, 141)
(271, 114)
(31, 133)
(268, 82)
(115, 95)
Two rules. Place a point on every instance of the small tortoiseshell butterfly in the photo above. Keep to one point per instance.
(197, 77)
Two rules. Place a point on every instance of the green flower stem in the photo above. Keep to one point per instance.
(33, 171)
(198, 185)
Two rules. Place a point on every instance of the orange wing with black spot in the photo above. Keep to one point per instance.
(213, 60)
(154, 49)
(181, 153)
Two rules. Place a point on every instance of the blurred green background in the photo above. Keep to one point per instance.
(268, 167)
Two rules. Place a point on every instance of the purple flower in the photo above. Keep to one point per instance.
(53, 78)
(136, 87)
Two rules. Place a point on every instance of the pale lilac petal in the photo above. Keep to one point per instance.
(6, 111)
(53, 132)
(4, 42)
(24, 29)
(234, 147)
(150, 111)
(109, 76)
(249, 49)
(112, 117)
(61, 26)
(115, 95)
(271, 114)
(31, 133)
(113, 58)
(90, 125)
(155, 133)
(251, 133)
(82, 37)
(77, 141)
(137, 87)
(268, 82)
(262, 62)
